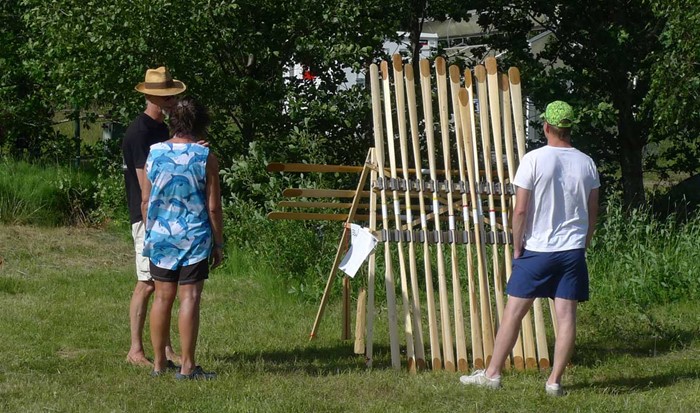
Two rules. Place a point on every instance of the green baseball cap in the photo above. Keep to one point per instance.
(559, 114)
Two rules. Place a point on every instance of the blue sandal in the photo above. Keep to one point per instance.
(197, 374)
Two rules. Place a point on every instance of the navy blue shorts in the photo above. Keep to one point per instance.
(561, 274)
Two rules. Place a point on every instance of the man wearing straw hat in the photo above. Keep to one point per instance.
(553, 223)
(160, 90)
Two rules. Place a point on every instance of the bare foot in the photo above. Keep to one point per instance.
(138, 360)
(171, 355)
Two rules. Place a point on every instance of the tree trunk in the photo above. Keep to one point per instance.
(632, 144)
(416, 28)
(247, 132)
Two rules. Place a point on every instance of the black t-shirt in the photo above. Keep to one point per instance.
(143, 132)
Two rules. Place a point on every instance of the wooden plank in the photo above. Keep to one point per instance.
(320, 204)
(337, 193)
(317, 204)
(388, 270)
(313, 216)
(518, 352)
(460, 131)
(441, 72)
(322, 193)
(435, 352)
(322, 168)
(519, 125)
(306, 167)
(360, 322)
(371, 272)
(400, 96)
(403, 275)
(467, 120)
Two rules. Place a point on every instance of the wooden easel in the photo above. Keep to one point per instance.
(368, 166)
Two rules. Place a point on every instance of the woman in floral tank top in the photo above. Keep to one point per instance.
(181, 203)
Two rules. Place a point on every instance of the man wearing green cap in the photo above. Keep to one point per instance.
(553, 222)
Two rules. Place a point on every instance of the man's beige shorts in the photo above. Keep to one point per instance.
(138, 231)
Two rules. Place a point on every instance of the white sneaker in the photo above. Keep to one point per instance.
(478, 378)
(554, 390)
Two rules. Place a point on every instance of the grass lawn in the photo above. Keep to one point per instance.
(64, 333)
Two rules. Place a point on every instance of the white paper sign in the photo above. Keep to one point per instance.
(362, 242)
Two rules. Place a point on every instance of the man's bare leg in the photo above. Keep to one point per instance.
(507, 334)
(137, 318)
(566, 337)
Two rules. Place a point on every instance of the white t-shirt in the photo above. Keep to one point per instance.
(560, 180)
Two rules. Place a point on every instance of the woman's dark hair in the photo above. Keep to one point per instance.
(189, 117)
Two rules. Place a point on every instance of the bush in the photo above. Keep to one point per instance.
(109, 193)
(30, 195)
(50, 195)
(300, 253)
(641, 260)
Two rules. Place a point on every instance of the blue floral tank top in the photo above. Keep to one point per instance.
(178, 232)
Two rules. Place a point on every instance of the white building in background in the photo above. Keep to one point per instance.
(429, 43)
(429, 46)
(457, 39)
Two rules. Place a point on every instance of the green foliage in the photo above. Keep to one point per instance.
(31, 195)
(638, 264)
(639, 260)
(329, 127)
(612, 63)
(108, 192)
(601, 61)
(298, 252)
(50, 195)
(25, 113)
(255, 106)
(674, 88)
(110, 45)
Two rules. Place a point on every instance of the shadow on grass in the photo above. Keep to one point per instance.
(592, 353)
(309, 360)
(623, 385)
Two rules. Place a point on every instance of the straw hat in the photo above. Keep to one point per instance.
(159, 82)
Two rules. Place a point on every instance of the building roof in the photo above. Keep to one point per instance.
(451, 28)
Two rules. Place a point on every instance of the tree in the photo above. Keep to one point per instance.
(411, 16)
(233, 55)
(600, 57)
(25, 115)
(674, 95)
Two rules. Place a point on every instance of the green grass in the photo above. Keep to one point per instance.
(52, 195)
(30, 194)
(64, 294)
(89, 133)
(644, 260)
